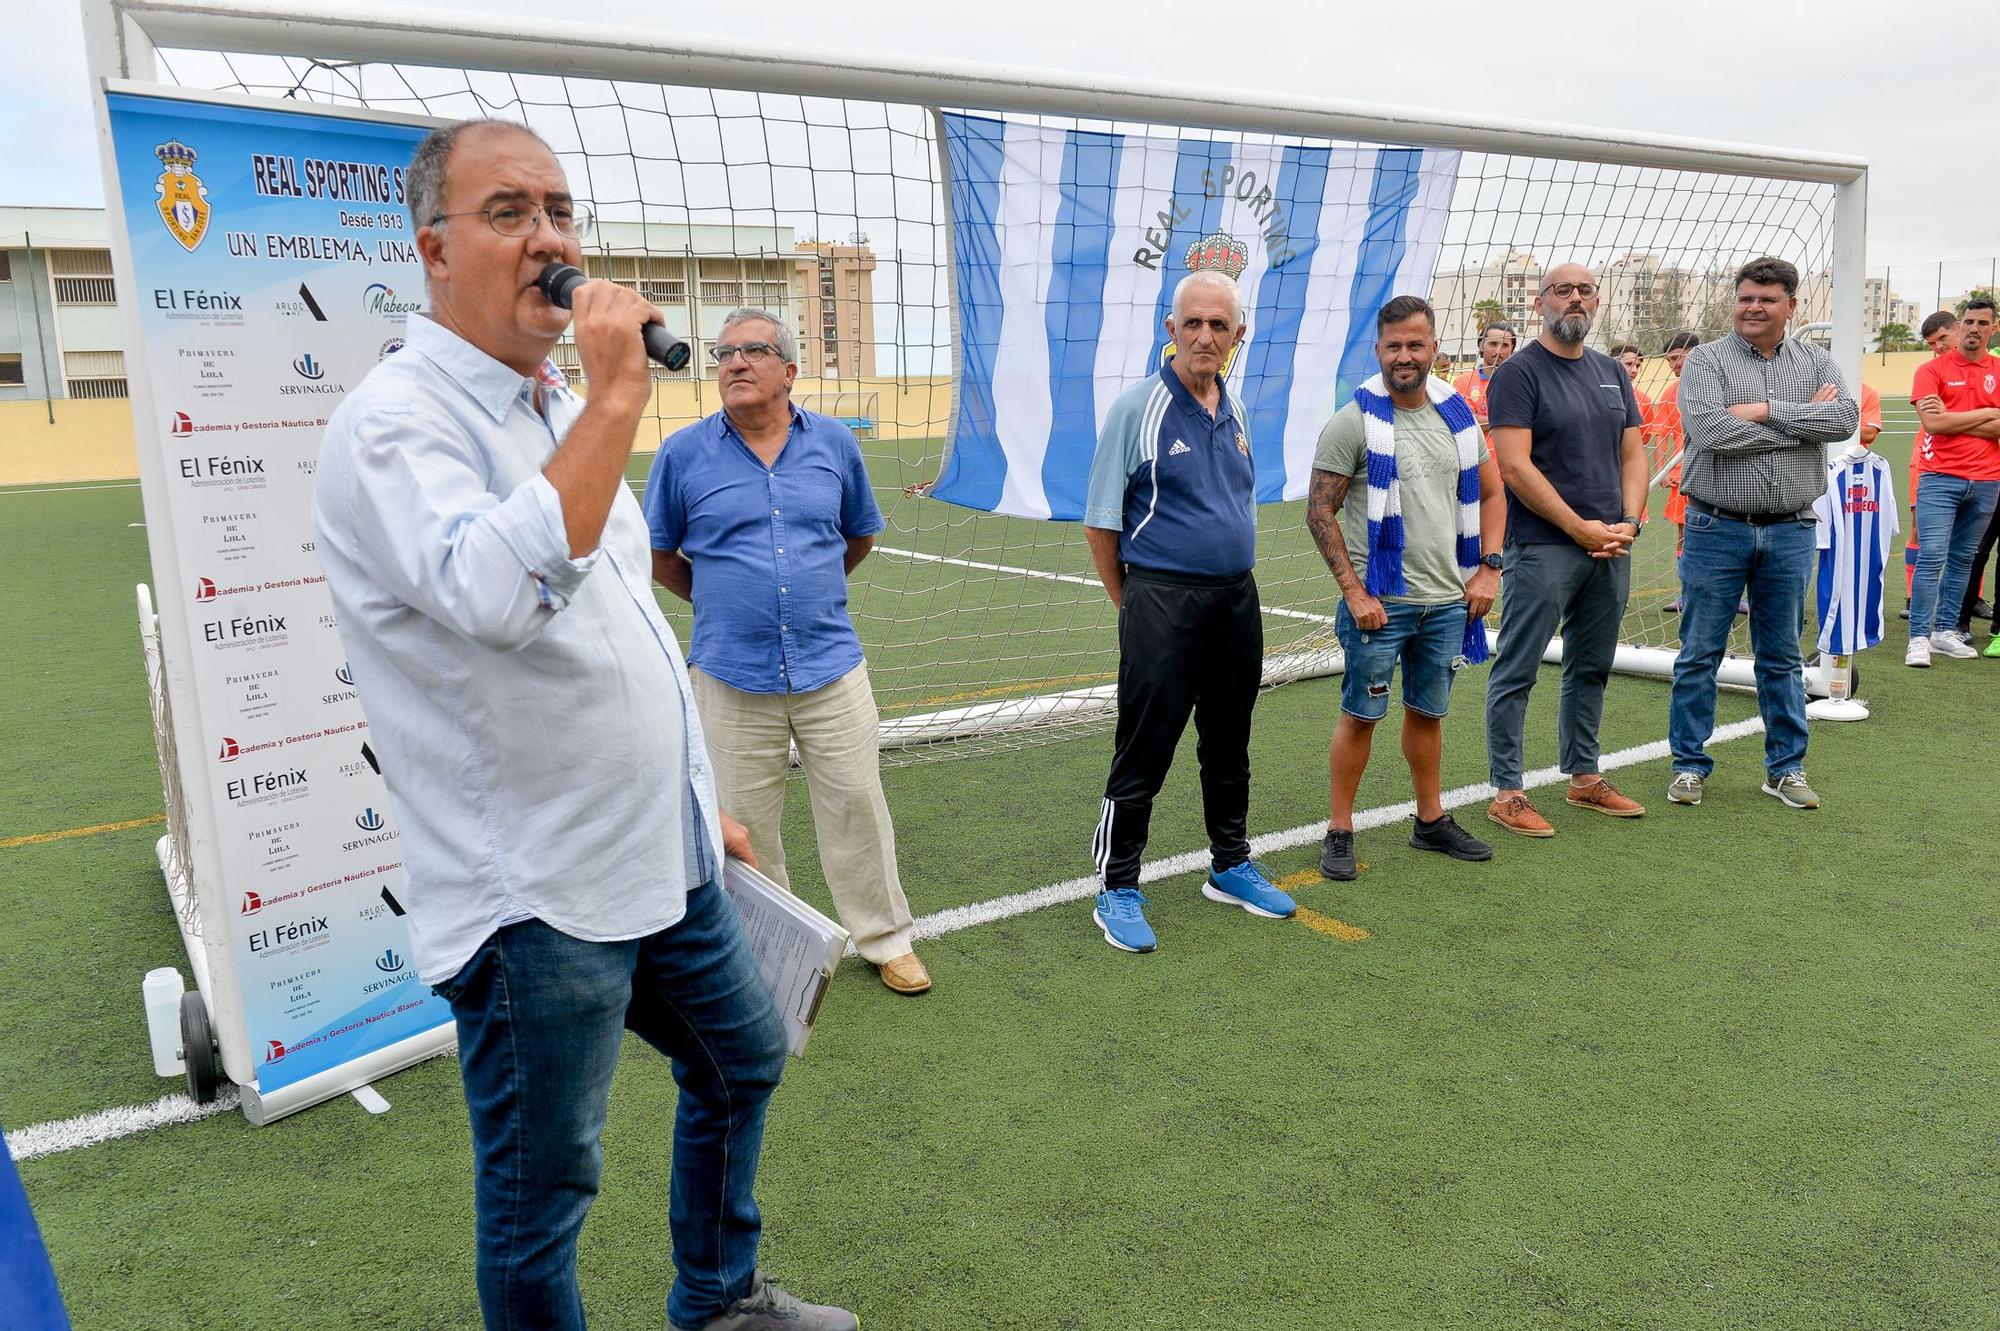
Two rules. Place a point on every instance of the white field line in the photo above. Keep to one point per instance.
(65, 489)
(1044, 574)
(73, 1134)
(1079, 889)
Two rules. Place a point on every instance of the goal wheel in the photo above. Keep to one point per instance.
(199, 1051)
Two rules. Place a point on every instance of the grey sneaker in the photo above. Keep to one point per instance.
(1793, 790)
(1685, 788)
(768, 1308)
(1947, 643)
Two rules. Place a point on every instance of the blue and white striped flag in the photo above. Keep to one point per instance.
(1067, 244)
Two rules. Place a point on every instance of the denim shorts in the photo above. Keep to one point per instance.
(1428, 639)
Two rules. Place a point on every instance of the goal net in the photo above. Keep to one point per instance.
(918, 288)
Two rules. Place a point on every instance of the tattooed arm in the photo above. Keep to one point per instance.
(1323, 501)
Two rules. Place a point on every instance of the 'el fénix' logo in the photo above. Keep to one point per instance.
(183, 199)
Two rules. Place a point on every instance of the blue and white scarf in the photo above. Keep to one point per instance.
(1385, 492)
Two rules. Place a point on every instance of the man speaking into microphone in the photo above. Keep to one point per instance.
(562, 841)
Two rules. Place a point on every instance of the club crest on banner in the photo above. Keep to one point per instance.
(1217, 253)
(183, 199)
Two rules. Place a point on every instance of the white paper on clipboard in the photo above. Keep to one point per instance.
(796, 947)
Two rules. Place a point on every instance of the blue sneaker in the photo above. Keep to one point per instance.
(1245, 885)
(1119, 913)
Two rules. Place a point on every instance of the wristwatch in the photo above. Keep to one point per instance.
(1491, 561)
(1637, 526)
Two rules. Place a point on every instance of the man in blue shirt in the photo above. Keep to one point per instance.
(758, 514)
(1171, 517)
(562, 849)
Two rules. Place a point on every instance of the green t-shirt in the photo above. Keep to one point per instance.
(1427, 466)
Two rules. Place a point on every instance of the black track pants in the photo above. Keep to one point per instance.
(1186, 645)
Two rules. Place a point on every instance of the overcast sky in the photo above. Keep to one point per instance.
(1830, 75)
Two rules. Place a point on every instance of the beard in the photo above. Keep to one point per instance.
(1571, 329)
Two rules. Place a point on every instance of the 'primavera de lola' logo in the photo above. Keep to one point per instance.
(183, 199)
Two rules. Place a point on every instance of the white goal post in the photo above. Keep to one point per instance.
(1566, 209)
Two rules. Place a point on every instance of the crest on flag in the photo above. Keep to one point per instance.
(1217, 253)
(183, 199)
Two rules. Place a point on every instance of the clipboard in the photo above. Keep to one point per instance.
(796, 947)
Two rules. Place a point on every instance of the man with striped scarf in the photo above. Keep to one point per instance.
(1418, 569)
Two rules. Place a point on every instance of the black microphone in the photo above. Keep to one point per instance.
(559, 282)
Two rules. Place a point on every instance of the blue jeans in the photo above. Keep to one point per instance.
(1951, 515)
(1722, 559)
(540, 1016)
(1429, 640)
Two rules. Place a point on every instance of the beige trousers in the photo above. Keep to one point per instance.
(749, 742)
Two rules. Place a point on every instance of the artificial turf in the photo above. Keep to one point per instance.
(1723, 1067)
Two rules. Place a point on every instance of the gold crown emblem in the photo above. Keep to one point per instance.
(1219, 253)
(174, 153)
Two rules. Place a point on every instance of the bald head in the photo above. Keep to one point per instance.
(1569, 304)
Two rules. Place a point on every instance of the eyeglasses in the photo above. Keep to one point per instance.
(751, 352)
(572, 221)
(1565, 290)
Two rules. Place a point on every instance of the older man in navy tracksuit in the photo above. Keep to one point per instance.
(1171, 517)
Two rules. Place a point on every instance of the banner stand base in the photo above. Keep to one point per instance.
(1831, 709)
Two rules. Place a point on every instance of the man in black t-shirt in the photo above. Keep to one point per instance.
(1566, 429)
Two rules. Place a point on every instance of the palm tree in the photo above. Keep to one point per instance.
(1487, 311)
(1894, 337)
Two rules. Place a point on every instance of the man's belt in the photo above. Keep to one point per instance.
(1754, 519)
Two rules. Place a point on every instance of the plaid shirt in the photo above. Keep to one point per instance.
(1779, 465)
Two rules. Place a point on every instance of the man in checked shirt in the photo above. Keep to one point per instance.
(1759, 411)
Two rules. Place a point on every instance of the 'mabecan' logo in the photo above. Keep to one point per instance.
(381, 299)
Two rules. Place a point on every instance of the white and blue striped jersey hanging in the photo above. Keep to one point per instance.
(1858, 525)
(1066, 246)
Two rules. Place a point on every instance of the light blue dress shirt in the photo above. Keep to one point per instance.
(531, 712)
(769, 548)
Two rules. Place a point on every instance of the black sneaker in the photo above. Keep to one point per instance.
(1982, 609)
(1336, 855)
(1447, 836)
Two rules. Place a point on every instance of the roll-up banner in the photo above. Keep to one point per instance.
(273, 264)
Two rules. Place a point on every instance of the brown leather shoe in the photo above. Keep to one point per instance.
(1602, 796)
(905, 974)
(1519, 817)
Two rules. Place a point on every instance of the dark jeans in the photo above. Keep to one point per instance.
(1544, 587)
(1185, 645)
(540, 1016)
(1725, 558)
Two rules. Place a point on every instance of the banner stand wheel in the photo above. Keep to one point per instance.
(199, 1051)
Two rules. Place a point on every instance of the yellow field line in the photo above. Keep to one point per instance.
(1312, 919)
(1332, 928)
(36, 839)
